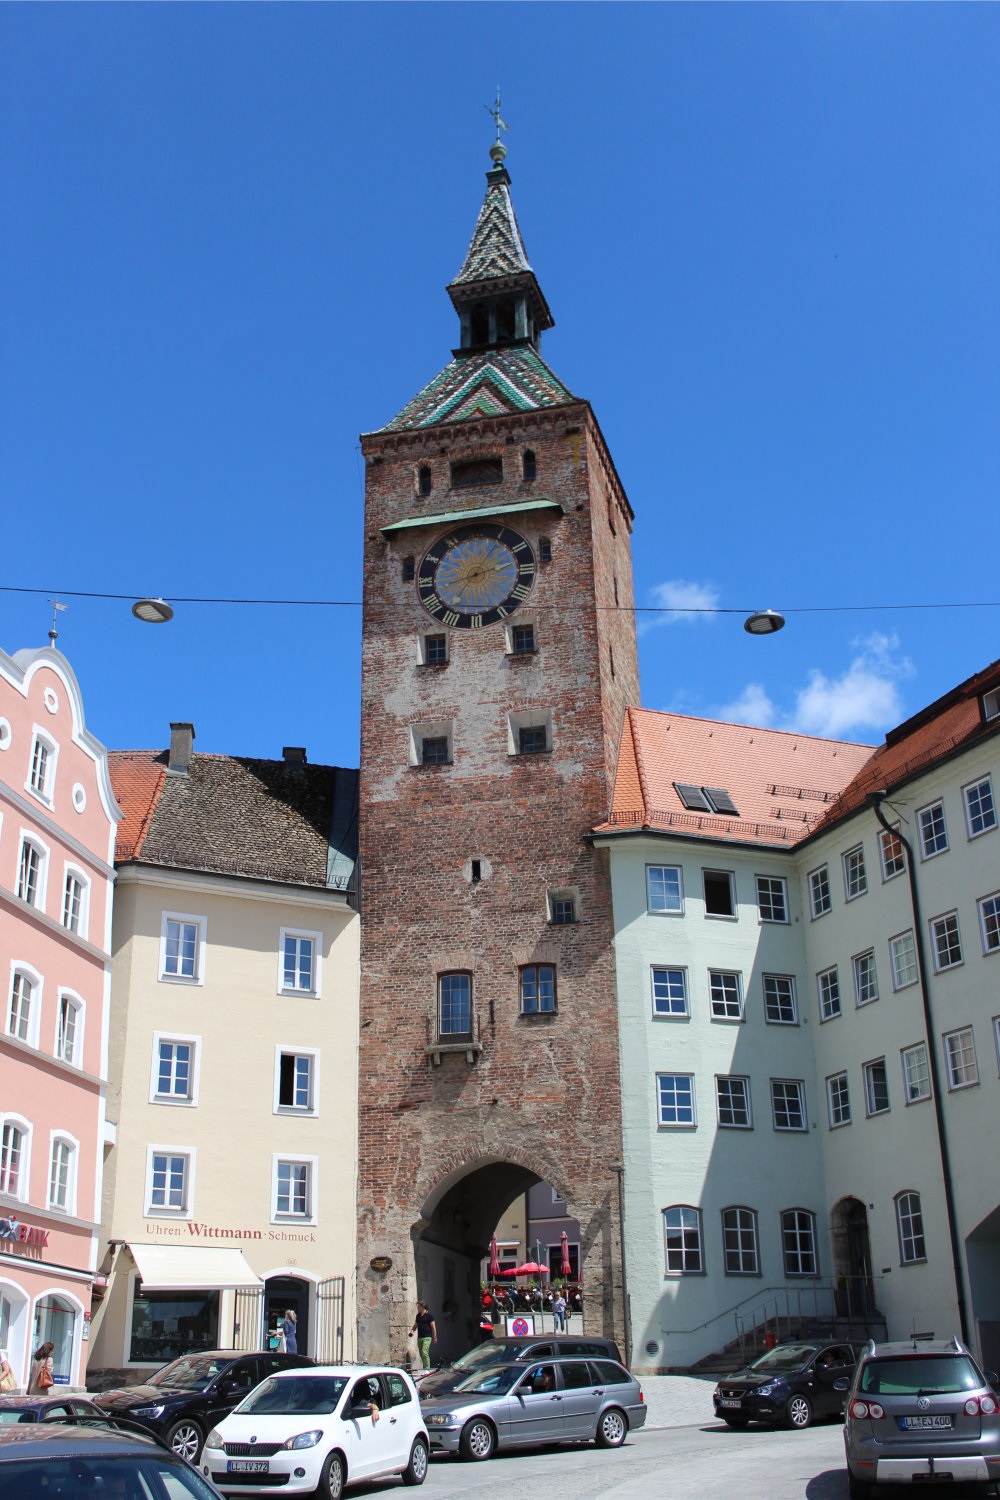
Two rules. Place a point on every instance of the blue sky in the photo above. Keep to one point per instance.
(768, 234)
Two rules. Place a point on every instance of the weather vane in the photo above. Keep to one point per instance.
(56, 607)
(494, 112)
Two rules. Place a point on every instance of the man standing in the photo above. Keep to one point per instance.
(426, 1331)
(559, 1313)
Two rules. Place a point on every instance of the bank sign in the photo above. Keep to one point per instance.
(12, 1233)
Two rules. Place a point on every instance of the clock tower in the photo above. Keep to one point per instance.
(499, 656)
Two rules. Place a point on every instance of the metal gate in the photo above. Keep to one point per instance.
(248, 1318)
(330, 1321)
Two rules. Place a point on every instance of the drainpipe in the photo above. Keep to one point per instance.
(875, 800)
(626, 1320)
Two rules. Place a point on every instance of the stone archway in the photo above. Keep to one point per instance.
(854, 1289)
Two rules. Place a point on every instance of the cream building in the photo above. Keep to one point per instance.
(230, 1188)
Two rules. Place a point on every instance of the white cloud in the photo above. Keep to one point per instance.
(753, 706)
(681, 600)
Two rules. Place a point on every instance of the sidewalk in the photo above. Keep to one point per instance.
(678, 1400)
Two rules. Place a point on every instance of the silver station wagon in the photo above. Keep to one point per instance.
(557, 1401)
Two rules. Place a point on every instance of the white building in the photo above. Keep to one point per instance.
(786, 1152)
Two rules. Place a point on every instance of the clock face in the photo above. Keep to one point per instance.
(476, 575)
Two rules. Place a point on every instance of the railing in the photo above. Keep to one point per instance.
(852, 1300)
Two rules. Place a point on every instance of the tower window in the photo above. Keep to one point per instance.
(529, 732)
(562, 908)
(476, 472)
(531, 740)
(409, 569)
(537, 989)
(433, 650)
(529, 467)
(454, 1006)
(431, 744)
(434, 750)
(522, 640)
(424, 479)
(544, 549)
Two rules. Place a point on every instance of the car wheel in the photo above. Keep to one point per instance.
(184, 1438)
(416, 1470)
(478, 1440)
(798, 1412)
(735, 1421)
(612, 1428)
(331, 1480)
(858, 1489)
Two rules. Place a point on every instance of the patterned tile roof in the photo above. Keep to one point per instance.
(490, 384)
(262, 819)
(780, 783)
(496, 248)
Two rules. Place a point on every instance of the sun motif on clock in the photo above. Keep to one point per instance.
(476, 575)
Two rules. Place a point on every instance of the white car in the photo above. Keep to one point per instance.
(319, 1429)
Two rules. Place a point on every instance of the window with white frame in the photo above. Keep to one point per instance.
(295, 1080)
(670, 997)
(675, 1099)
(294, 1188)
(732, 1098)
(780, 1007)
(74, 904)
(529, 732)
(664, 888)
(169, 1181)
(682, 1237)
(865, 978)
(434, 650)
(299, 962)
(910, 1227)
(31, 873)
(772, 898)
(174, 1069)
(69, 1029)
(720, 893)
(838, 1100)
(989, 922)
(916, 1072)
(41, 776)
(798, 1242)
(932, 830)
(960, 1058)
(891, 853)
(980, 808)
(820, 900)
(521, 639)
(182, 948)
(788, 1103)
(725, 991)
(14, 1142)
(62, 1175)
(876, 1087)
(22, 1005)
(903, 953)
(828, 990)
(855, 874)
(946, 941)
(563, 906)
(432, 743)
(741, 1256)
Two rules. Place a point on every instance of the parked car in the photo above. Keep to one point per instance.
(501, 1351)
(921, 1411)
(21, 1410)
(319, 1430)
(510, 1406)
(788, 1386)
(65, 1461)
(187, 1397)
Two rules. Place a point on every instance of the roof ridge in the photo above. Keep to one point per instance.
(800, 734)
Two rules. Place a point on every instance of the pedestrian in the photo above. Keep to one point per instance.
(426, 1331)
(41, 1378)
(559, 1313)
(290, 1330)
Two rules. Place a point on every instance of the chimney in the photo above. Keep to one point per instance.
(294, 756)
(181, 742)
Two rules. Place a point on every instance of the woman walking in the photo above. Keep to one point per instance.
(41, 1370)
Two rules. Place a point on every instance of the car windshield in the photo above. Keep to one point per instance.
(193, 1372)
(112, 1478)
(491, 1382)
(486, 1354)
(785, 1357)
(298, 1395)
(920, 1374)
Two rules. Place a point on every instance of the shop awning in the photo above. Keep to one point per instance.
(174, 1268)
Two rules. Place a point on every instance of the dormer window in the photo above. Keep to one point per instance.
(476, 472)
(991, 705)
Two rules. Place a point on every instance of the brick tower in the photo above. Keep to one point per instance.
(499, 655)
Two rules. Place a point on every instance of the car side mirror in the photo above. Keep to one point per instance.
(229, 1387)
(992, 1378)
(357, 1411)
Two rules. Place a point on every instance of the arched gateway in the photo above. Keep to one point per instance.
(498, 659)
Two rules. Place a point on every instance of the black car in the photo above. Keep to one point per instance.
(503, 1351)
(183, 1402)
(63, 1461)
(51, 1407)
(788, 1386)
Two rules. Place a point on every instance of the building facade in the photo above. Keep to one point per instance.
(57, 832)
(233, 1058)
(498, 658)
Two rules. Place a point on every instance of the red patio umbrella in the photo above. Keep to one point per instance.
(494, 1266)
(565, 1266)
(530, 1268)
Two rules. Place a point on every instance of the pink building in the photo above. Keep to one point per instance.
(57, 833)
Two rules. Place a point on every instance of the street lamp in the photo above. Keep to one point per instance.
(152, 611)
(763, 622)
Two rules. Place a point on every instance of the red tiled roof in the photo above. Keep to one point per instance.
(781, 783)
(137, 777)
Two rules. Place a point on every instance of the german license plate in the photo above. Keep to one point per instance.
(247, 1466)
(730, 1401)
(924, 1424)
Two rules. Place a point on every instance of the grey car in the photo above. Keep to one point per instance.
(557, 1401)
(921, 1411)
(64, 1461)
